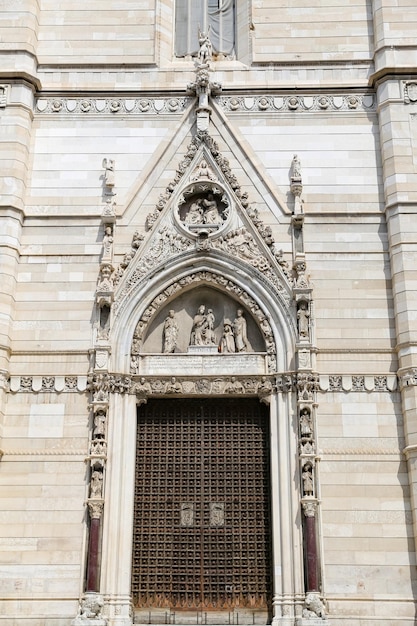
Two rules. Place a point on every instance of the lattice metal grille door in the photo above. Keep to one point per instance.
(201, 527)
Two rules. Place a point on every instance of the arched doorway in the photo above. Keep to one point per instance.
(202, 522)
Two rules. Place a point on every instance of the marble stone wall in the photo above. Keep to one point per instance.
(336, 85)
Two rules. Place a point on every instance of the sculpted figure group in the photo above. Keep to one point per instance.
(204, 211)
(234, 337)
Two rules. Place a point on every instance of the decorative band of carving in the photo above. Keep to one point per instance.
(300, 103)
(44, 384)
(261, 386)
(111, 105)
(358, 382)
(284, 382)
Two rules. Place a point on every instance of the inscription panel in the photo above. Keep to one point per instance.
(189, 365)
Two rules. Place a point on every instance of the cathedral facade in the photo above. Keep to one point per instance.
(208, 321)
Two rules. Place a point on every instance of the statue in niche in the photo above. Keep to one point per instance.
(227, 342)
(104, 324)
(240, 334)
(99, 431)
(108, 242)
(307, 477)
(96, 484)
(171, 330)
(305, 423)
(199, 328)
(303, 317)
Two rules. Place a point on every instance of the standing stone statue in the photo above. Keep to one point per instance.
(303, 316)
(108, 165)
(170, 332)
(239, 331)
(205, 53)
(198, 331)
(211, 212)
(227, 342)
(296, 167)
(210, 336)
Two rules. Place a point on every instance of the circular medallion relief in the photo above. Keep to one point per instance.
(203, 209)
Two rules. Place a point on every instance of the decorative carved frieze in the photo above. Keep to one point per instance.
(121, 106)
(261, 386)
(284, 382)
(297, 103)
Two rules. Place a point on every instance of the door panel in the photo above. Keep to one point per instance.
(202, 522)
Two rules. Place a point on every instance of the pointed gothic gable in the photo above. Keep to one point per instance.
(203, 211)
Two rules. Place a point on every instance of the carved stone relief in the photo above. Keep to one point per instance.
(203, 207)
(201, 319)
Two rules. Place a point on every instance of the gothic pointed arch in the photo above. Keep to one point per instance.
(204, 221)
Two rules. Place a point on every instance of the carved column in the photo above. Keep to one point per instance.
(95, 510)
(312, 579)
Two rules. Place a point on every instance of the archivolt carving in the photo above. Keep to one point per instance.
(225, 284)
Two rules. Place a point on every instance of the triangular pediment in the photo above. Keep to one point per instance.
(204, 211)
